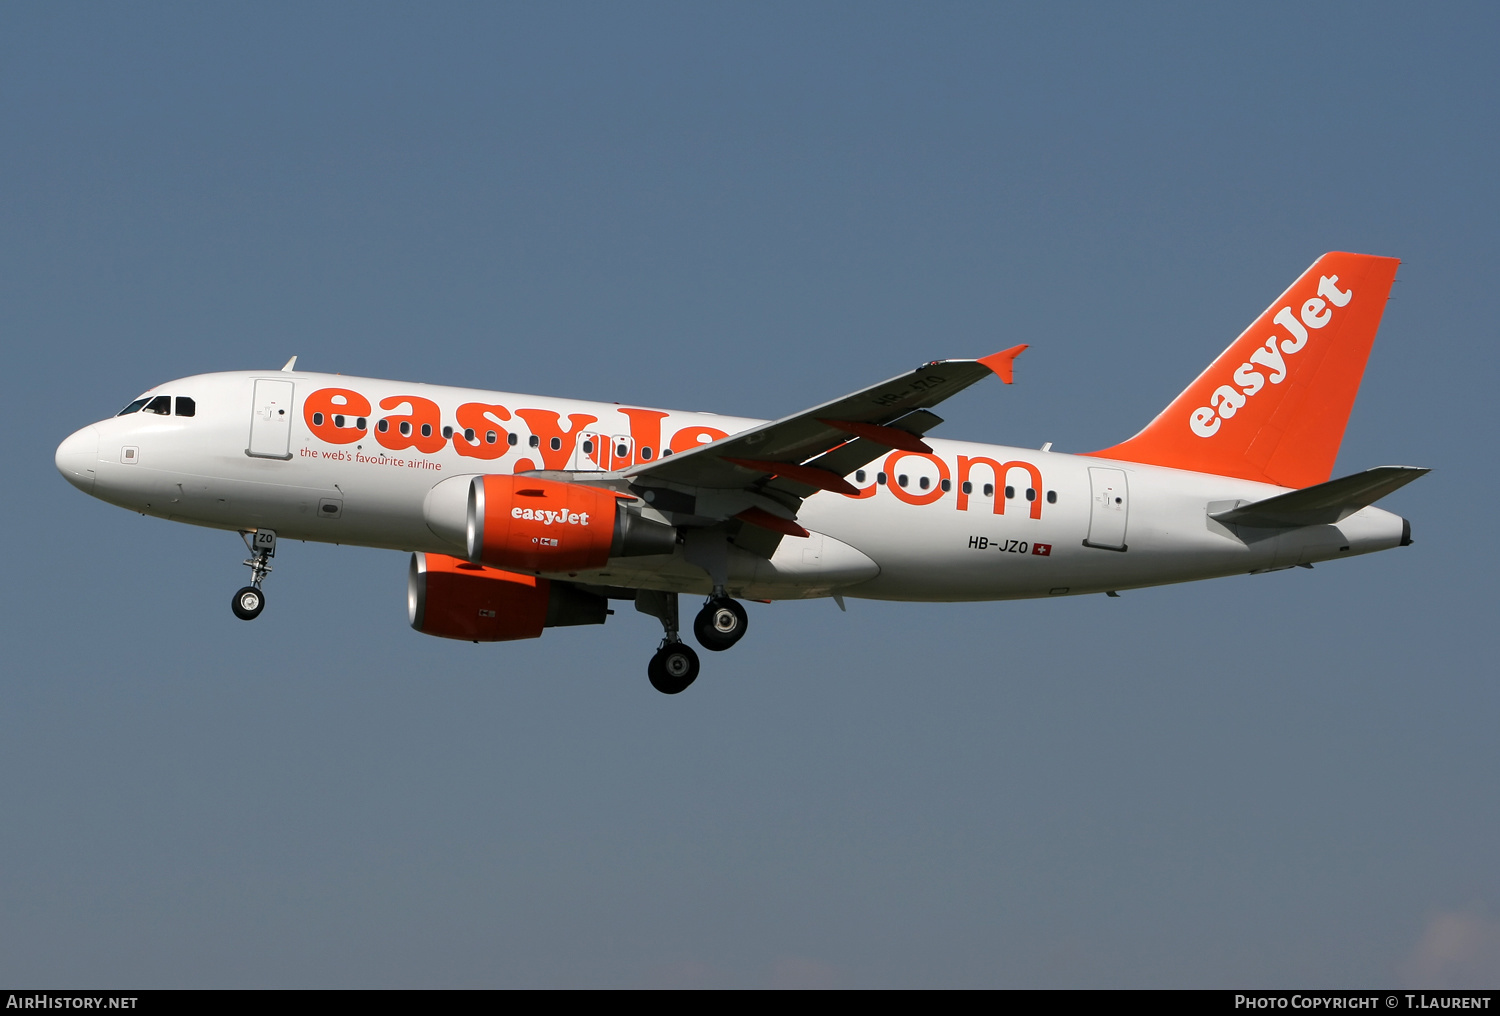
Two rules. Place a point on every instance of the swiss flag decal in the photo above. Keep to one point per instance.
(1041, 549)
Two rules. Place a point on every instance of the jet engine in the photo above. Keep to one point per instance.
(455, 599)
(526, 523)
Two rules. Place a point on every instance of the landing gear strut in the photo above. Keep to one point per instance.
(250, 600)
(675, 665)
(720, 624)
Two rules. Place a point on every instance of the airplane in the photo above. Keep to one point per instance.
(523, 513)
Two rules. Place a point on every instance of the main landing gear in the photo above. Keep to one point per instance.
(675, 666)
(250, 600)
(720, 624)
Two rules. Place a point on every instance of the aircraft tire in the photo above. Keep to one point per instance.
(720, 624)
(248, 603)
(673, 668)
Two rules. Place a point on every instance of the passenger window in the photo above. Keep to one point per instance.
(947, 485)
(1052, 497)
(880, 478)
(646, 454)
(383, 426)
(490, 437)
(186, 406)
(901, 480)
(134, 407)
(317, 419)
(406, 428)
(161, 405)
(620, 450)
(535, 441)
(447, 432)
(989, 489)
(1030, 494)
(859, 476)
(510, 439)
(588, 448)
(968, 488)
(557, 444)
(1010, 492)
(923, 482)
(427, 430)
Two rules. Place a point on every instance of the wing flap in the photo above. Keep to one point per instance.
(848, 457)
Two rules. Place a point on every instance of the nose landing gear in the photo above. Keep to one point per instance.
(249, 601)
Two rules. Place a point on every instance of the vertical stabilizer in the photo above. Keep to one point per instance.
(1274, 405)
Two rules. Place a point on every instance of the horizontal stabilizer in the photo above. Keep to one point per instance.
(1324, 503)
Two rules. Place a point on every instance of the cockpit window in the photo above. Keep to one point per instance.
(186, 406)
(134, 407)
(161, 406)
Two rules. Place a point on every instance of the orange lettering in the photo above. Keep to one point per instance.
(547, 425)
(484, 421)
(1001, 470)
(901, 492)
(327, 408)
(421, 430)
(692, 437)
(645, 430)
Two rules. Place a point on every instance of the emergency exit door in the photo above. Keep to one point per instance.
(597, 451)
(271, 420)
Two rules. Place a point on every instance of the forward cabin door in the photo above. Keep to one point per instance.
(1109, 510)
(271, 420)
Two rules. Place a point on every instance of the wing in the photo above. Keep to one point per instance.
(789, 459)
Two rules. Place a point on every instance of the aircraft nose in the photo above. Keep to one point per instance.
(78, 457)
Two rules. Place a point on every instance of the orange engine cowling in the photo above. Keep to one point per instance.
(527, 523)
(452, 598)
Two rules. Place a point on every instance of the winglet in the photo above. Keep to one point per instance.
(1003, 362)
(290, 365)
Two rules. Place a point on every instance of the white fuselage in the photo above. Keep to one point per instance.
(926, 527)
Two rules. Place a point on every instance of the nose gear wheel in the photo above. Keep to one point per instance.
(250, 600)
(248, 603)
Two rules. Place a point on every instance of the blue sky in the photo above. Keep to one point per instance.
(1276, 780)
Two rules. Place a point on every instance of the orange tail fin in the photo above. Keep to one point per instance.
(1273, 406)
